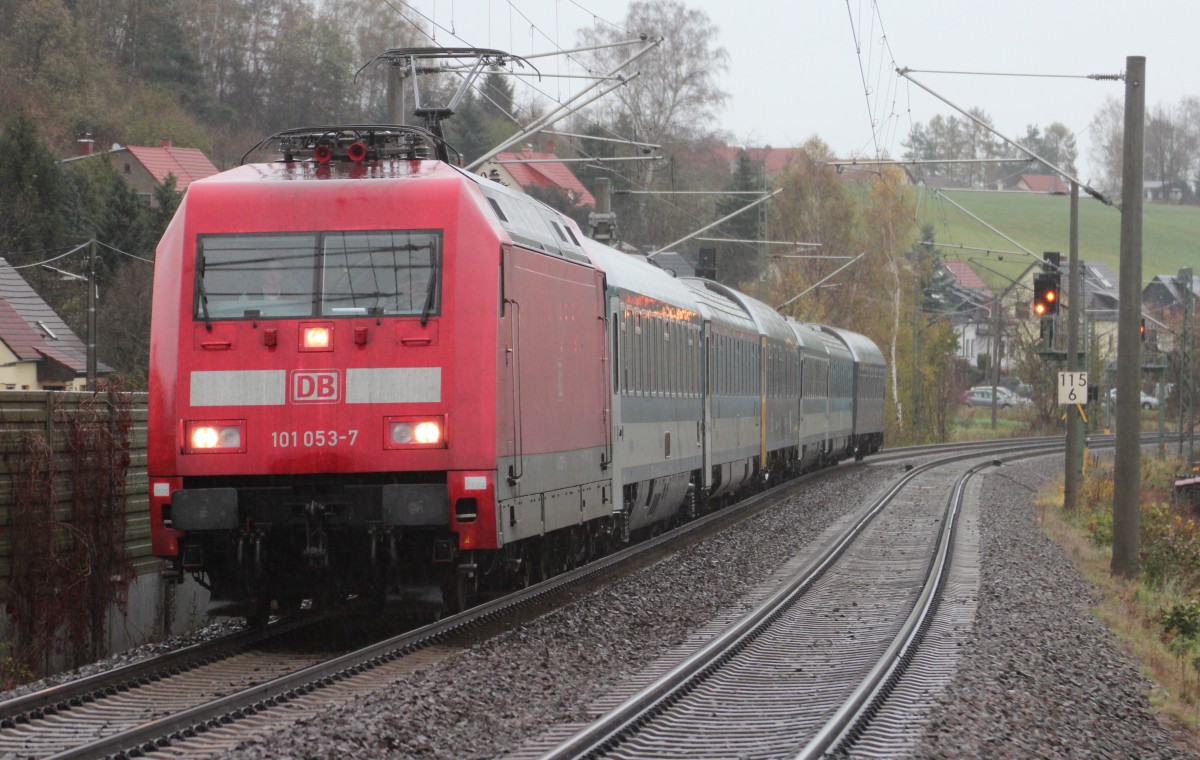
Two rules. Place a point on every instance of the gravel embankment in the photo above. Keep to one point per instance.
(1039, 677)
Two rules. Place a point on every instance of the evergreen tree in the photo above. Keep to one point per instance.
(33, 193)
(739, 263)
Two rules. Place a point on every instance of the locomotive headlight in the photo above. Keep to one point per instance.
(317, 338)
(415, 432)
(402, 433)
(213, 437)
(427, 433)
(205, 438)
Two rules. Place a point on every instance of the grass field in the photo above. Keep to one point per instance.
(1170, 234)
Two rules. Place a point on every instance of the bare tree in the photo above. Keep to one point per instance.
(1172, 141)
(1171, 144)
(677, 93)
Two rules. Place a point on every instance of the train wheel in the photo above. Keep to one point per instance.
(456, 592)
(258, 616)
(523, 575)
(590, 544)
(540, 561)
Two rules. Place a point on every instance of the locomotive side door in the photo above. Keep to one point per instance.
(617, 358)
(511, 315)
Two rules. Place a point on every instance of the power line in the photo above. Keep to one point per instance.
(76, 249)
(124, 253)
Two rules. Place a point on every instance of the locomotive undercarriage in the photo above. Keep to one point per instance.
(275, 544)
(264, 543)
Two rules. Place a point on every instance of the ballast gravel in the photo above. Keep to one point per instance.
(1038, 676)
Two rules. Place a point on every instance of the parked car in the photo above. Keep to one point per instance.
(1024, 390)
(981, 395)
(1147, 401)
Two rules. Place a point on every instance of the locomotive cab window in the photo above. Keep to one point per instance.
(331, 274)
(389, 273)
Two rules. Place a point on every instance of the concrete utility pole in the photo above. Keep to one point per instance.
(91, 341)
(395, 93)
(1187, 433)
(1073, 469)
(1127, 475)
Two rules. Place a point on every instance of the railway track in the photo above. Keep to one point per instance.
(310, 687)
(204, 699)
(53, 720)
(803, 672)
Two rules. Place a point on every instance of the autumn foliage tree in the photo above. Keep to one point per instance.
(870, 214)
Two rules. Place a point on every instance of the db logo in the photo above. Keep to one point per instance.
(316, 386)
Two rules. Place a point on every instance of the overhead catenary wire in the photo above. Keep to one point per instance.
(404, 6)
(987, 224)
(795, 243)
(1084, 186)
(1096, 77)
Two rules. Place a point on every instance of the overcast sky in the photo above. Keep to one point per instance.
(795, 70)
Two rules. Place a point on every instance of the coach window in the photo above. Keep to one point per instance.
(726, 365)
(718, 365)
(639, 361)
(656, 356)
(676, 356)
(649, 336)
(736, 376)
(624, 352)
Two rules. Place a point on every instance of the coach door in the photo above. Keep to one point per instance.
(707, 380)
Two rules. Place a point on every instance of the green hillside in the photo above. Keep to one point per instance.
(1170, 234)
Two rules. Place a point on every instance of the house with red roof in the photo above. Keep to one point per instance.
(970, 303)
(530, 168)
(146, 168)
(1041, 183)
(772, 160)
(37, 349)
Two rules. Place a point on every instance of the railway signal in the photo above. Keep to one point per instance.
(1045, 294)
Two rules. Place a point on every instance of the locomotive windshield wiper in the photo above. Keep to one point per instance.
(202, 293)
(433, 284)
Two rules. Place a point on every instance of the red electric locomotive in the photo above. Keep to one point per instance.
(373, 372)
(346, 352)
